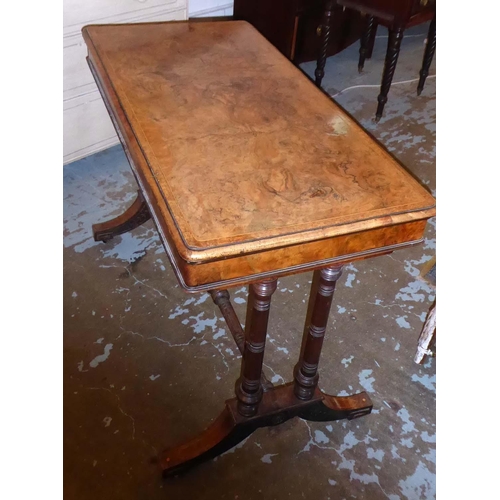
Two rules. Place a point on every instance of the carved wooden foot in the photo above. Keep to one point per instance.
(136, 215)
(278, 405)
(430, 48)
(221, 436)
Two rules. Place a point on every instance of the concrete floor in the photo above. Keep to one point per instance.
(146, 365)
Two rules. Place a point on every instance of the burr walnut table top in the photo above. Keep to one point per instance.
(243, 162)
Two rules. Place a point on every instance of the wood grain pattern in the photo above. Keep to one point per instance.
(238, 154)
(288, 260)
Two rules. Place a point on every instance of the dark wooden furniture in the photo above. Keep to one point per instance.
(294, 26)
(250, 172)
(396, 15)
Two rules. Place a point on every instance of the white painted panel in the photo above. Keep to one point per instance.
(77, 13)
(87, 126)
(77, 78)
(215, 12)
(75, 70)
(205, 8)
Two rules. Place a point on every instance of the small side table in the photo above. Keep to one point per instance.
(250, 173)
(396, 16)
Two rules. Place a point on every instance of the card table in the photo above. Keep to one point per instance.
(249, 172)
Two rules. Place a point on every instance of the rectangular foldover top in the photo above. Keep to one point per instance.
(246, 153)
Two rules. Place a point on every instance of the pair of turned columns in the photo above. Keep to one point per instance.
(249, 388)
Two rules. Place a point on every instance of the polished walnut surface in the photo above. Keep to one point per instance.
(239, 155)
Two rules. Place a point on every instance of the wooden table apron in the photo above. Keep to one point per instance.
(249, 173)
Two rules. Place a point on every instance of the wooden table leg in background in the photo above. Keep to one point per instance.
(326, 24)
(367, 41)
(430, 48)
(391, 59)
(253, 407)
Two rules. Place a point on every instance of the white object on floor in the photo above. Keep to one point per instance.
(428, 331)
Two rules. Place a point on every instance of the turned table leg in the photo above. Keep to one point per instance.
(430, 48)
(136, 215)
(222, 300)
(248, 386)
(391, 59)
(325, 28)
(306, 371)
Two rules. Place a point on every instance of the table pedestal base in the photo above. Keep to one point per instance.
(258, 403)
(254, 407)
(278, 405)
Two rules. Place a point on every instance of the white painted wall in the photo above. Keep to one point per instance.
(87, 126)
(207, 8)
